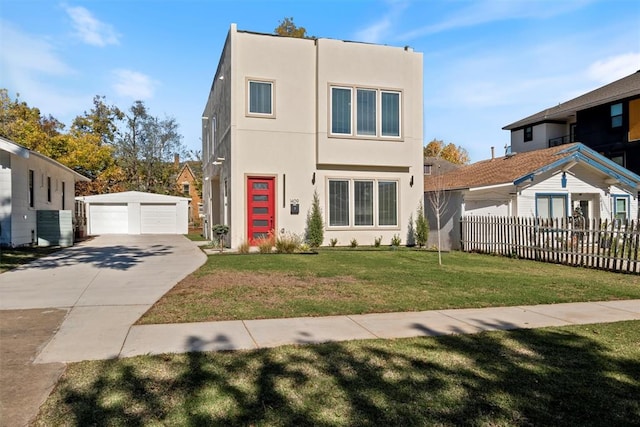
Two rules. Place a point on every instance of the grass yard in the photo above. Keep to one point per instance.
(579, 375)
(13, 257)
(348, 281)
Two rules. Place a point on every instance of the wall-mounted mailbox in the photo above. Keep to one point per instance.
(295, 207)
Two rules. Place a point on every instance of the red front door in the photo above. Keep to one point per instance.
(260, 207)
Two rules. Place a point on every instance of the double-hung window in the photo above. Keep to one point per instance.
(376, 112)
(616, 115)
(363, 203)
(551, 206)
(621, 207)
(260, 102)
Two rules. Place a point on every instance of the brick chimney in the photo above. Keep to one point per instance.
(176, 160)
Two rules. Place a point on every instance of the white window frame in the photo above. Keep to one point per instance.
(354, 113)
(351, 206)
(351, 115)
(627, 206)
(272, 84)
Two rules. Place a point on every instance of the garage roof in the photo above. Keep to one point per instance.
(131, 196)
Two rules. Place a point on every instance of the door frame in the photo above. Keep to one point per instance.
(274, 179)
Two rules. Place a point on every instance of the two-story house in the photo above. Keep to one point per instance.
(287, 117)
(606, 120)
(188, 184)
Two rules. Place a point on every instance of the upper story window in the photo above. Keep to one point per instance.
(377, 112)
(260, 99)
(49, 189)
(616, 115)
(427, 169)
(185, 188)
(528, 133)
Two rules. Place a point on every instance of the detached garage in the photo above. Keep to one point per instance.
(135, 212)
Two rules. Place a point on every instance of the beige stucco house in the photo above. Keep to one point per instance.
(287, 117)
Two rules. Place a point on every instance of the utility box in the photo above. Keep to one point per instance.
(55, 228)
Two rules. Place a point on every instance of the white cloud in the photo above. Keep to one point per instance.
(380, 30)
(615, 67)
(375, 32)
(134, 85)
(28, 53)
(483, 12)
(90, 30)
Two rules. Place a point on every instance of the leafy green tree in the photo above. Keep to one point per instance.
(145, 150)
(315, 225)
(422, 226)
(288, 29)
(451, 152)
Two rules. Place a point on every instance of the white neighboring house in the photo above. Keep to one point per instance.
(31, 182)
(135, 212)
(287, 116)
(547, 183)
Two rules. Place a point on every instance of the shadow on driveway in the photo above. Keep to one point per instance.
(116, 257)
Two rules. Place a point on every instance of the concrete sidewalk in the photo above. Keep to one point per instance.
(251, 334)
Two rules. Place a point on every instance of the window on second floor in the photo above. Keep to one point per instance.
(528, 133)
(185, 188)
(616, 115)
(427, 169)
(260, 98)
(49, 189)
(377, 112)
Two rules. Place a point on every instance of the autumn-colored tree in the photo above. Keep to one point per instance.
(288, 29)
(451, 152)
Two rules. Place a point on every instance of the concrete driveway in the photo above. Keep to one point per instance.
(105, 283)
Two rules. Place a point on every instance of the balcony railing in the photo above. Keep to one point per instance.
(554, 142)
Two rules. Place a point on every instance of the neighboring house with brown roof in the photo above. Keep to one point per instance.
(547, 183)
(189, 186)
(437, 166)
(606, 119)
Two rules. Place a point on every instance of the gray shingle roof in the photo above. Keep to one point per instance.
(620, 89)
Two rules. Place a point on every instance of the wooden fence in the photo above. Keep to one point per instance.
(607, 245)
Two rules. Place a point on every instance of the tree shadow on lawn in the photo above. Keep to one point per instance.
(523, 377)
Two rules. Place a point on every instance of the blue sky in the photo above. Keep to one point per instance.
(487, 63)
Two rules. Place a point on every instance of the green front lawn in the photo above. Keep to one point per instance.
(348, 281)
(573, 376)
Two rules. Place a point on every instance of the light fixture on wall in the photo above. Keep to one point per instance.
(221, 78)
(218, 161)
(313, 178)
(411, 181)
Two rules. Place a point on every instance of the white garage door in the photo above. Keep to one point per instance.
(158, 218)
(108, 218)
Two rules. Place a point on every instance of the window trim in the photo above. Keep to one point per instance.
(248, 111)
(353, 113)
(627, 205)
(616, 117)
(550, 196)
(351, 206)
